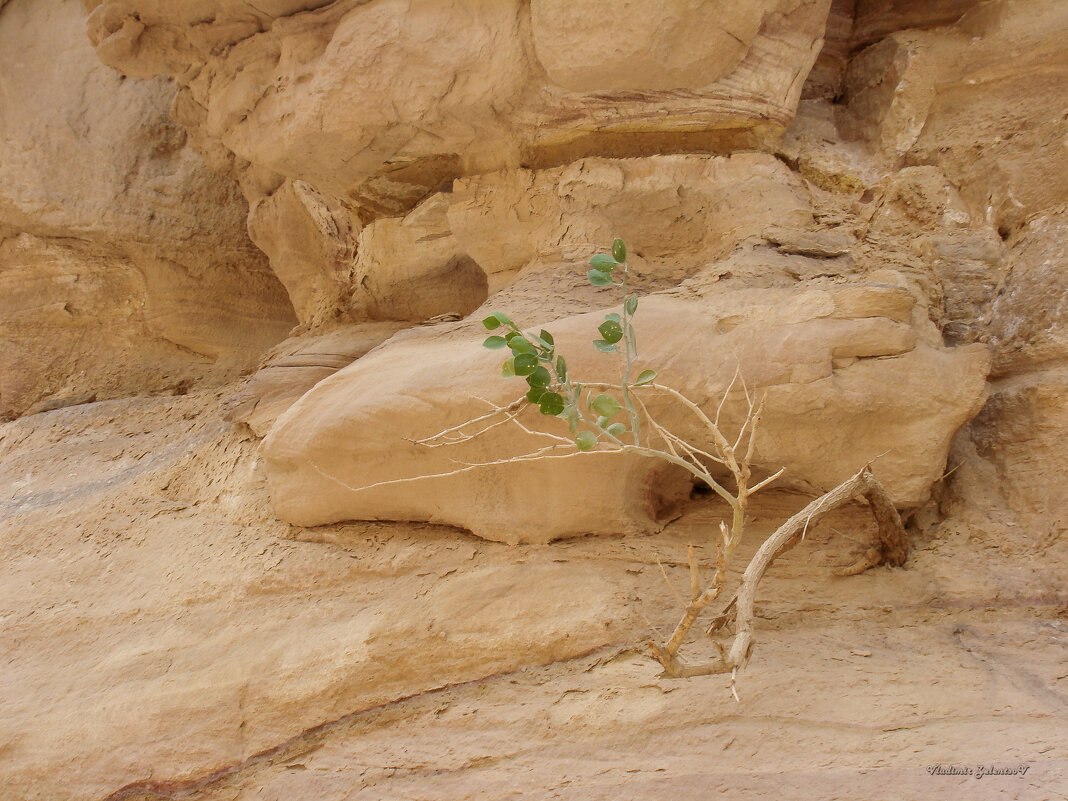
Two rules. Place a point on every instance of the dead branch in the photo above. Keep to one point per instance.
(890, 548)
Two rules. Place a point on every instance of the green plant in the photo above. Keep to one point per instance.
(593, 411)
(615, 417)
(551, 387)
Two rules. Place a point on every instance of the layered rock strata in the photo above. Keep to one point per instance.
(124, 262)
(405, 162)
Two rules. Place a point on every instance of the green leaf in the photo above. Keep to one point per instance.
(508, 368)
(497, 319)
(519, 344)
(586, 440)
(633, 340)
(613, 317)
(632, 304)
(561, 368)
(606, 405)
(535, 393)
(603, 262)
(644, 377)
(619, 251)
(604, 347)
(597, 278)
(494, 343)
(547, 337)
(611, 331)
(541, 344)
(525, 363)
(617, 429)
(539, 378)
(551, 404)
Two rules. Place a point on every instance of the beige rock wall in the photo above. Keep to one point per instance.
(369, 107)
(378, 103)
(983, 99)
(311, 243)
(410, 162)
(124, 262)
(860, 203)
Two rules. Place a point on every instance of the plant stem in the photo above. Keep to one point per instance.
(630, 352)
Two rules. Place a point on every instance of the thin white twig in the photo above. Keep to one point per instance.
(767, 480)
(726, 393)
(525, 457)
(466, 468)
(509, 411)
(668, 582)
(557, 437)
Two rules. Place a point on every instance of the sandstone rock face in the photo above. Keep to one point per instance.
(165, 629)
(862, 204)
(875, 19)
(378, 103)
(587, 47)
(295, 365)
(311, 243)
(679, 207)
(124, 262)
(339, 119)
(1022, 430)
(714, 233)
(983, 100)
(413, 268)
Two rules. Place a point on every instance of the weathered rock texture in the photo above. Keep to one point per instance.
(158, 628)
(860, 203)
(407, 162)
(983, 101)
(296, 365)
(852, 366)
(377, 103)
(124, 263)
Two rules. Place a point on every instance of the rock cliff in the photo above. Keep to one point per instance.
(432, 185)
(124, 262)
(244, 251)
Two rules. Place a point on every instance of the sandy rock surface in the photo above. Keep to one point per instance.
(859, 203)
(176, 605)
(164, 637)
(380, 102)
(297, 364)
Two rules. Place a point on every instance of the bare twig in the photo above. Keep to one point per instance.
(891, 548)
(509, 411)
(726, 394)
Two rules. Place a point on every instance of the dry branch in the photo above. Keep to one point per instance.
(890, 548)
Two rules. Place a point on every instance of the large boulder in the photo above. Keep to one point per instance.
(851, 378)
